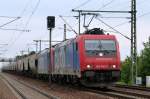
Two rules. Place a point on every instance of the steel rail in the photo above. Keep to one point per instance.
(133, 93)
(133, 87)
(33, 88)
(15, 89)
(110, 93)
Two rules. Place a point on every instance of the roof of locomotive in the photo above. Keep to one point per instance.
(86, 36)
(91, 36)
(96, 33)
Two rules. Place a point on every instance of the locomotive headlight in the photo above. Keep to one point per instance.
(114, 66)
(100, 54)
(88, 66)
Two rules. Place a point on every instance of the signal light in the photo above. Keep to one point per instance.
(50, 22)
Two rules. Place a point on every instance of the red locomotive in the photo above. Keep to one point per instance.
(92, 58)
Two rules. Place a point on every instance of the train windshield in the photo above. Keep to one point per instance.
(100, 47)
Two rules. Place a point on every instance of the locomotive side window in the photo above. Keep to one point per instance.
(100, 47)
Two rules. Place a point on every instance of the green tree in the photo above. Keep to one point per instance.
(144, 62)
(125, 70)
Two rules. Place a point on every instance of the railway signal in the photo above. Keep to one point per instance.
(50, 22)
(50, 25)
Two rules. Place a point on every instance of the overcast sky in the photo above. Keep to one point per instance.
(33, 15)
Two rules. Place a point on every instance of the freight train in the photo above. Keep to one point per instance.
(92, 59)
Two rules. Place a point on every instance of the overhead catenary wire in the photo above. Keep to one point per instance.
(70, 16)
(93, 11)
(21, 15)
(112, 28)
(84, 3)
(123, 6)
(119, 17)
(35, 8)
(107, 4)
(15, 29)
(9, 17)
(140, 16)
(121, 24)
(24, 9)
(116, 17)
(3, 45)
(147, 13)
(68, 24)
(27, 22)
(62, 28)
(10, 22)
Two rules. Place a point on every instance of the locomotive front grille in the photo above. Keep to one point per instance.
(101, 76)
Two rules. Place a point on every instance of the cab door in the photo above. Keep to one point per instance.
(75, 57)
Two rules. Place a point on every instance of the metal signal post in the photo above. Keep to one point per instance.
(50, 25)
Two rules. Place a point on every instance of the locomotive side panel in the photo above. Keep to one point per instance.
(66, 59)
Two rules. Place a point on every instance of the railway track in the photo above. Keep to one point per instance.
(15, 89)
(120, 93)
(135, 93)
(133, 87)
(105, 92)
(138, 92)
(110, 93)
(117, 92)
(26, 91)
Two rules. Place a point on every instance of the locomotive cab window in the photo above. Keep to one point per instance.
(100, 47)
